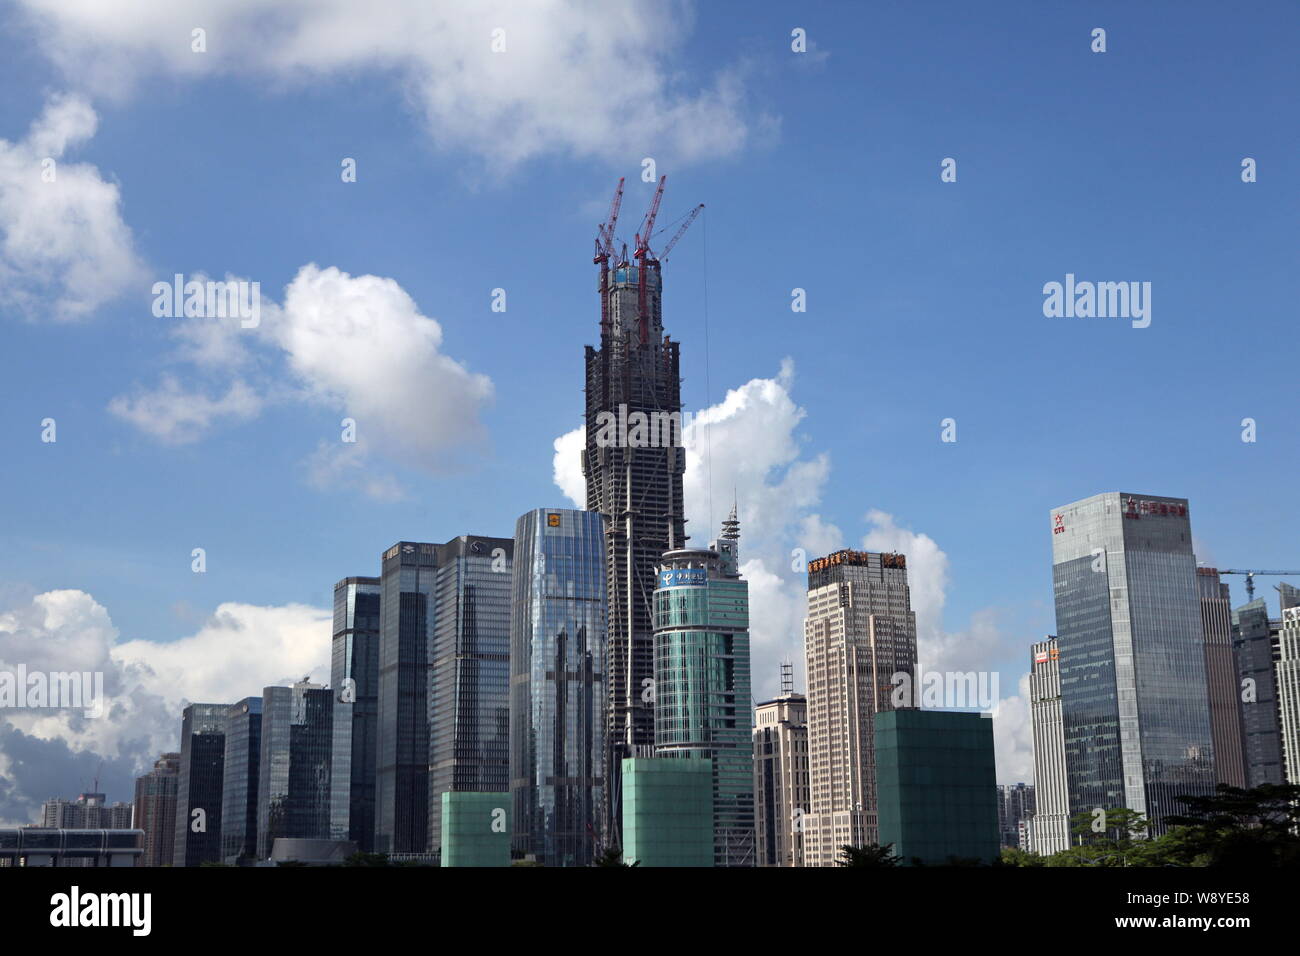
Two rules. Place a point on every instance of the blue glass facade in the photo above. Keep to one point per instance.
(200, 784)
(1255, 640)
(239, 798)
(294, 792)
(557, 690)
(444, 671)
(355, 659)
(469, 674)
(402, 771)
(1134, 694)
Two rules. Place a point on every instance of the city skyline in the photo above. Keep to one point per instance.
(223, 460)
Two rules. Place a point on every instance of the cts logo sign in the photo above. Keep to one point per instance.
(1058, 524)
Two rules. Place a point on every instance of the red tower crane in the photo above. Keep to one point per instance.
(642, 254)
(604, 250)
(668, 247)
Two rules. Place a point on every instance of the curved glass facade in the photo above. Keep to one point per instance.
(557, 686)
(703, 707)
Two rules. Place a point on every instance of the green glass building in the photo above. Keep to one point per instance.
(703, 706)
(475, 828)
(667, 811)
(936, 785)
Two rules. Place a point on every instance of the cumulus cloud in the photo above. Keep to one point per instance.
(1013, 736)
(506, 81)
(177, 416)
(64, 248)
(53, 752)
(356, 345)
(360, 345)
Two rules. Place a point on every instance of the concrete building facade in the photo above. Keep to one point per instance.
(860, 633)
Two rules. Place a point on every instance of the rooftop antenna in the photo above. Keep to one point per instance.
(787, 678)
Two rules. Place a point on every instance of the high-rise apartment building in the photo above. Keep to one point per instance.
(780, 777)
(354, 675)
(1257, 645)
(1049, 827)
(295, 795)
(200, 785)
(633, 462)
(1134, 696)
(241, 775)
(703, 704)
(859, 634)
(557, 686)
(1015, 806)
(155, 810)
(444, 673)
(1221, 676)
(90, 811)
(1288, 691)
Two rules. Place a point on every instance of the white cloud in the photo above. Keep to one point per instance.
(360, 345)
(356, 345)
(589, 78)
(234, 654)
(1013, 736)
(177, 416)
(342, 465)
(567, 466)
(64, 249)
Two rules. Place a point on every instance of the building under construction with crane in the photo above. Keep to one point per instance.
(636, 487)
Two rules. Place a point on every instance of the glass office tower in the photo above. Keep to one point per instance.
(444, 672)
(199, 785)
(557, 686)
(1134, 697)
(239, 795)
(703, 706)
(354, 669)
(1255, 640)
(294, 792)
(469, 674)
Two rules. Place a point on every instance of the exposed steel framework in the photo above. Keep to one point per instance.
(637, 489)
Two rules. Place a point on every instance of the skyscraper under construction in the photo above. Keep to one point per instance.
(633, 463)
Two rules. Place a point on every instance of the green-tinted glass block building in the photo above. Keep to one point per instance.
(667, 811)
(703, 705)
(475, 828)
(936, 785)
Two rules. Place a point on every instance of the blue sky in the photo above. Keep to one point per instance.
(819, 171)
